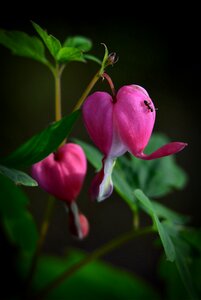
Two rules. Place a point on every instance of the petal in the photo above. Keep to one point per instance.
(165, 150)
(134, 119)
(102, 185)
(98, 119)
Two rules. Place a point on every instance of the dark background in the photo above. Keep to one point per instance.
(158, 49)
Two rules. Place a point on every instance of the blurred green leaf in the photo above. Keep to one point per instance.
(96, 280)
(67, 54)
(42, 144)
(188, 265)
(22, 44)
(12, 199)
(165, 239)
(22, 231)
(18, 222)
(93, 155)
(18, 177)
(52, 43)
(80, 42)
(176, 249)
(155, 177)
(93, 58)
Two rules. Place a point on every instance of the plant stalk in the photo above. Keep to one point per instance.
(103, 250)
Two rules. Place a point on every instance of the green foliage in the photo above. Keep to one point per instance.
(17, 221)
(79, 42)
(42, 144)
(92, 58)
(18, 177)
(23, 45)
(96, 280)
(52, 43)
(155, 177)
(67, 54)
(166, 241)
(176, 248)
(188, 267)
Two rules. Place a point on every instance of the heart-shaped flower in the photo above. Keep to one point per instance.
(118, 124)
(62, 173)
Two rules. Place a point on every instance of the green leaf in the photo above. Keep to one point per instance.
(186, 263)
(96, 280)
(22, 231)
(165, 239)
(93, 155)
(23, 45)
(67, 54)
(18, 177)
(93, 58)
(155, 177)
(18, 222)
(42, 144)
(52, 43)
(12, 199)
(80, 42)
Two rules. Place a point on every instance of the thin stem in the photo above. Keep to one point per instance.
(57, 76)
(110, 246)
(88, 90)
(43, 232)
(111, 84)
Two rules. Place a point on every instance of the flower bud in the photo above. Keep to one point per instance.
(62, 173)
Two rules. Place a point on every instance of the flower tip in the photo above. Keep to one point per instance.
(79, 227)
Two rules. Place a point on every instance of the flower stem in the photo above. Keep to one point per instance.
(111, 84)
(103, 250)
(57, 76)
(51, 201)
(88, 90)
(43, 232)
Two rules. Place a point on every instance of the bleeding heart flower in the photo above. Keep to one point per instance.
(119, 124)
(62, 173)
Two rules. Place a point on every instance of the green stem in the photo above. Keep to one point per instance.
(50, 205)
(43, 232)
(110, 246)
(88, 90)
(57, 76)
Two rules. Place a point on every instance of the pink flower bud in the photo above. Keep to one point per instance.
(119, 125)
(79, 229)
(62, 173)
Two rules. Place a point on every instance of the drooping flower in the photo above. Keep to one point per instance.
(62, 173)
(118, 124)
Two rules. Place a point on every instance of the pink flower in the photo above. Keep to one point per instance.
(62, 173)
(118, 124)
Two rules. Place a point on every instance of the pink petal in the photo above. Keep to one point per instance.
(62, 173)
(102, 185)
(133, 118)
(78, 223)
(165, 150)
(98, 119)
